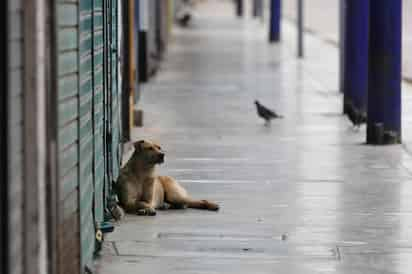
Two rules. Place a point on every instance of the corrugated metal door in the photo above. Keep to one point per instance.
(116, 99)
(112, 104)
(86, 130)
(99, 168)
(70, 168)
(89, 126)
(14, 153)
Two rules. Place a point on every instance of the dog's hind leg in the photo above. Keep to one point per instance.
(202, 204)
(178, 197)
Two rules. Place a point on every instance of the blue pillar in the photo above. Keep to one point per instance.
(274, 28)
(355, 63)
(384, 93)
(342, 12)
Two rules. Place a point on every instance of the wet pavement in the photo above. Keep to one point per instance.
(302, 196)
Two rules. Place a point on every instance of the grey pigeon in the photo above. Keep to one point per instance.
(184, 20)
(355, 116)
(265, 113)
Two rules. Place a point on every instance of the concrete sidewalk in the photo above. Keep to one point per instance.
(300, 197)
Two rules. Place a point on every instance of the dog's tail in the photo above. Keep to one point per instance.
(202, 204)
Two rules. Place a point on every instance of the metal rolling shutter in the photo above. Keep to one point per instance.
(116, 99)
(68, 112)
(98, 121)
(86, 131)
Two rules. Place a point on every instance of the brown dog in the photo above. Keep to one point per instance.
(141, 191)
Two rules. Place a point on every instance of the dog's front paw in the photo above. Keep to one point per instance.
(146, 212)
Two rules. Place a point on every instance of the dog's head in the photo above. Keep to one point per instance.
(149, 152)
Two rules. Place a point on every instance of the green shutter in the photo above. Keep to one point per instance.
(112, 97)
(115, 94)
(98, 96)
(69, 122)
(86, 132)
(89, 134)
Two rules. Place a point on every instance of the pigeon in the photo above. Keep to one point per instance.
(355, 116)
(184, 20)
(265, 113)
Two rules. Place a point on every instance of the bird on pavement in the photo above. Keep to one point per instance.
(355, 116)
(266, 113)
(184, 20)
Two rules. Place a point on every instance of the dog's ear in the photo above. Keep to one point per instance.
(138, 145)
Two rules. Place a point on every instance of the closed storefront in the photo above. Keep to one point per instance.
(89, 122)
(61, 122)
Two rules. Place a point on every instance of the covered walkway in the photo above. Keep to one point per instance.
(302, 196)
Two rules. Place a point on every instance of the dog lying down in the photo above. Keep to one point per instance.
(141, 191)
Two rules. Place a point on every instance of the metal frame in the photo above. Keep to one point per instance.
(300, 28)
(125, 64)
(3, 146)
(131, 70)
(31, 136)
(52, 181)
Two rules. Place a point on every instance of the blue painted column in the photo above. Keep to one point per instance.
(274, 26)
(355, 63)
(384, 93)
(342, 12)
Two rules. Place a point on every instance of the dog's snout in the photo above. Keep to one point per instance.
(161, 157)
